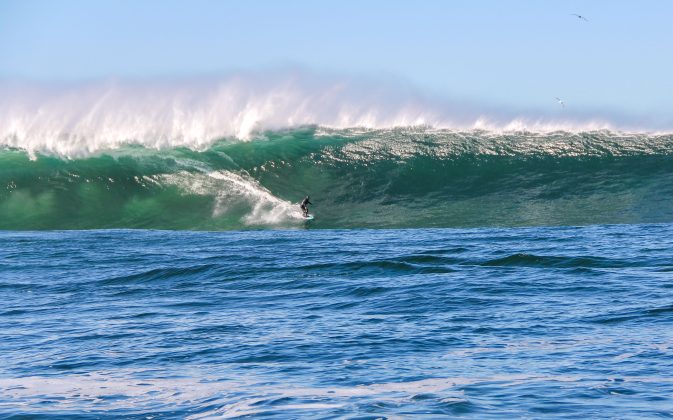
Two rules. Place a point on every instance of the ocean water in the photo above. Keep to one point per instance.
(478, 274)
(388, 178)
(536, 322)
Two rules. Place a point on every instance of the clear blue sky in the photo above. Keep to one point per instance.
(507, 52)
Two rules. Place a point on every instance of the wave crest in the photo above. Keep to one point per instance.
(78, 119)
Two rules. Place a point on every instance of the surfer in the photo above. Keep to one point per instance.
(303, 205)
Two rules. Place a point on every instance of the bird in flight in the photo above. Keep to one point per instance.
(580, 17)
(560, 101)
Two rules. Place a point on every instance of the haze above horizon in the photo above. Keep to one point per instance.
(520, 54)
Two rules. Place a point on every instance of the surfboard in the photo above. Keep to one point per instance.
(309, 217)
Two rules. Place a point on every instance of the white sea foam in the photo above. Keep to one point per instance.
(106, 391)
(77, 119)
(260, 206)
(267, 209)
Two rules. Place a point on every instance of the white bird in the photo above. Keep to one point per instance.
(560, 101)
(580, 17)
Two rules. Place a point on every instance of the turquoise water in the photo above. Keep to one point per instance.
(356, 178)
(539, 322)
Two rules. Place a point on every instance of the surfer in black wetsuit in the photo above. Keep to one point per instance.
(303, 205)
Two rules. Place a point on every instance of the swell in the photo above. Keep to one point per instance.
(410, 177)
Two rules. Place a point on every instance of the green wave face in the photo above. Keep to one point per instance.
(368, 179)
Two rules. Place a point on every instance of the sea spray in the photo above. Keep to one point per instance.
(84, 118)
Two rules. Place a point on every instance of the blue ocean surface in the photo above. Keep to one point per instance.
(509, 322)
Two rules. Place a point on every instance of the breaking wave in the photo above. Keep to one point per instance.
(399, 177)
(80, 119)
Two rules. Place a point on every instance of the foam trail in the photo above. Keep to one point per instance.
(75, 120)
(230, 191)
(266, 208)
